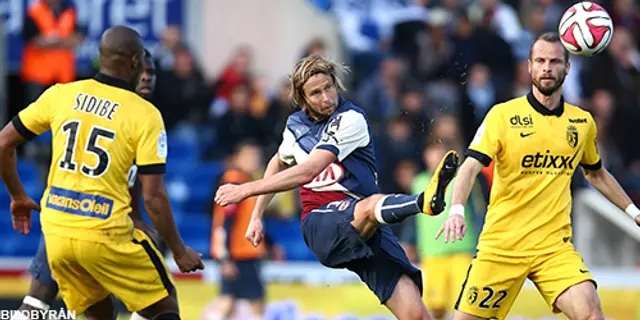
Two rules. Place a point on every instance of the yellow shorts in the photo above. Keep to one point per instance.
(494, 281)
(443, 278)
(87, 272)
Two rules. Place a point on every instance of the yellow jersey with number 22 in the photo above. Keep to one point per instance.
(536, 151)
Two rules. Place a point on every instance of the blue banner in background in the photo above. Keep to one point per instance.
(148, 17)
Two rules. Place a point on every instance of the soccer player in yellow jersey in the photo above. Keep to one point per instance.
(537, 141)
(43, 289)
(100, 126)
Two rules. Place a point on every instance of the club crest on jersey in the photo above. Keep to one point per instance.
(472, 295)
(572, 136)
(329, 176)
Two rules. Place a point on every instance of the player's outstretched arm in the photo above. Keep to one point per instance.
(156, 201)
(254, 232)
(288, 179)
(21, 204)
(604, 182)
(455, 227)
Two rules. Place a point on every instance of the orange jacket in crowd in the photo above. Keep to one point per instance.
(47, 66)
(230, 224)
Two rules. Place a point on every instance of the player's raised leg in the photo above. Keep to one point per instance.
(580, 302)
(394, 208)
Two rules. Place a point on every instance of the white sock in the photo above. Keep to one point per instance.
(136, 316)
(19, 316)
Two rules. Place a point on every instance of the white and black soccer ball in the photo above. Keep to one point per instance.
(585, 29)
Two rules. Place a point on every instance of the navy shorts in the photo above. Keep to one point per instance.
(247, 284)
(379, 261)
(39, 267)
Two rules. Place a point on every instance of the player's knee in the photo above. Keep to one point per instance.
(438, 313)
(167, 316)
(368, 205)
(417, 313)
(593, 314)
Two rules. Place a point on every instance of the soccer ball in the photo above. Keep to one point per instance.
(585, 29)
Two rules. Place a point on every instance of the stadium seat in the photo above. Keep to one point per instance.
(183, 155)
(29, 171)
(195, 229)
(43, 138)
(286, 232)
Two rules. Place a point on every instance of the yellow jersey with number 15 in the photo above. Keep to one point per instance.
(536, 151)
(99, 127)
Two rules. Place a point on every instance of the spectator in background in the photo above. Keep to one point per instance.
(236, 124)
(259, 105)
(444, 264)
(238, 72)
(316, 45)
(280, 107)
(436, 49)
(625, 14)
(165, 53)
(50, 34)
(404, 172)
(534, 24)
(182, 92)
(393, 145)
(447, 131)
(522, 81)
(480, 92)
(379, 94)
(617, 70)
(412, 105)
(603, 109)
(502, 18)
(496, 53)
(240, 261)
(406, 30)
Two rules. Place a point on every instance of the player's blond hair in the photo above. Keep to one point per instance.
(310, 66)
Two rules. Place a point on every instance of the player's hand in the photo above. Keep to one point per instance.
(189, 261)
(228, 270)
(638, 220)
(254, 233)
(230, 194)
(21, 213)
(454, 228)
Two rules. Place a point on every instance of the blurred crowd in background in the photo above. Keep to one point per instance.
(425, 71)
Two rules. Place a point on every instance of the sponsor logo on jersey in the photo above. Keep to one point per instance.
(518, 121)
(79, 203)
(578, 120)
(329, 176)
(548, 160)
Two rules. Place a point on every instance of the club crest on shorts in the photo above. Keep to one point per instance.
(572, 136)
(472, 295)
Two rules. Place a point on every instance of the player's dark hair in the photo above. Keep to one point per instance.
(147, 54)
(549, 37)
